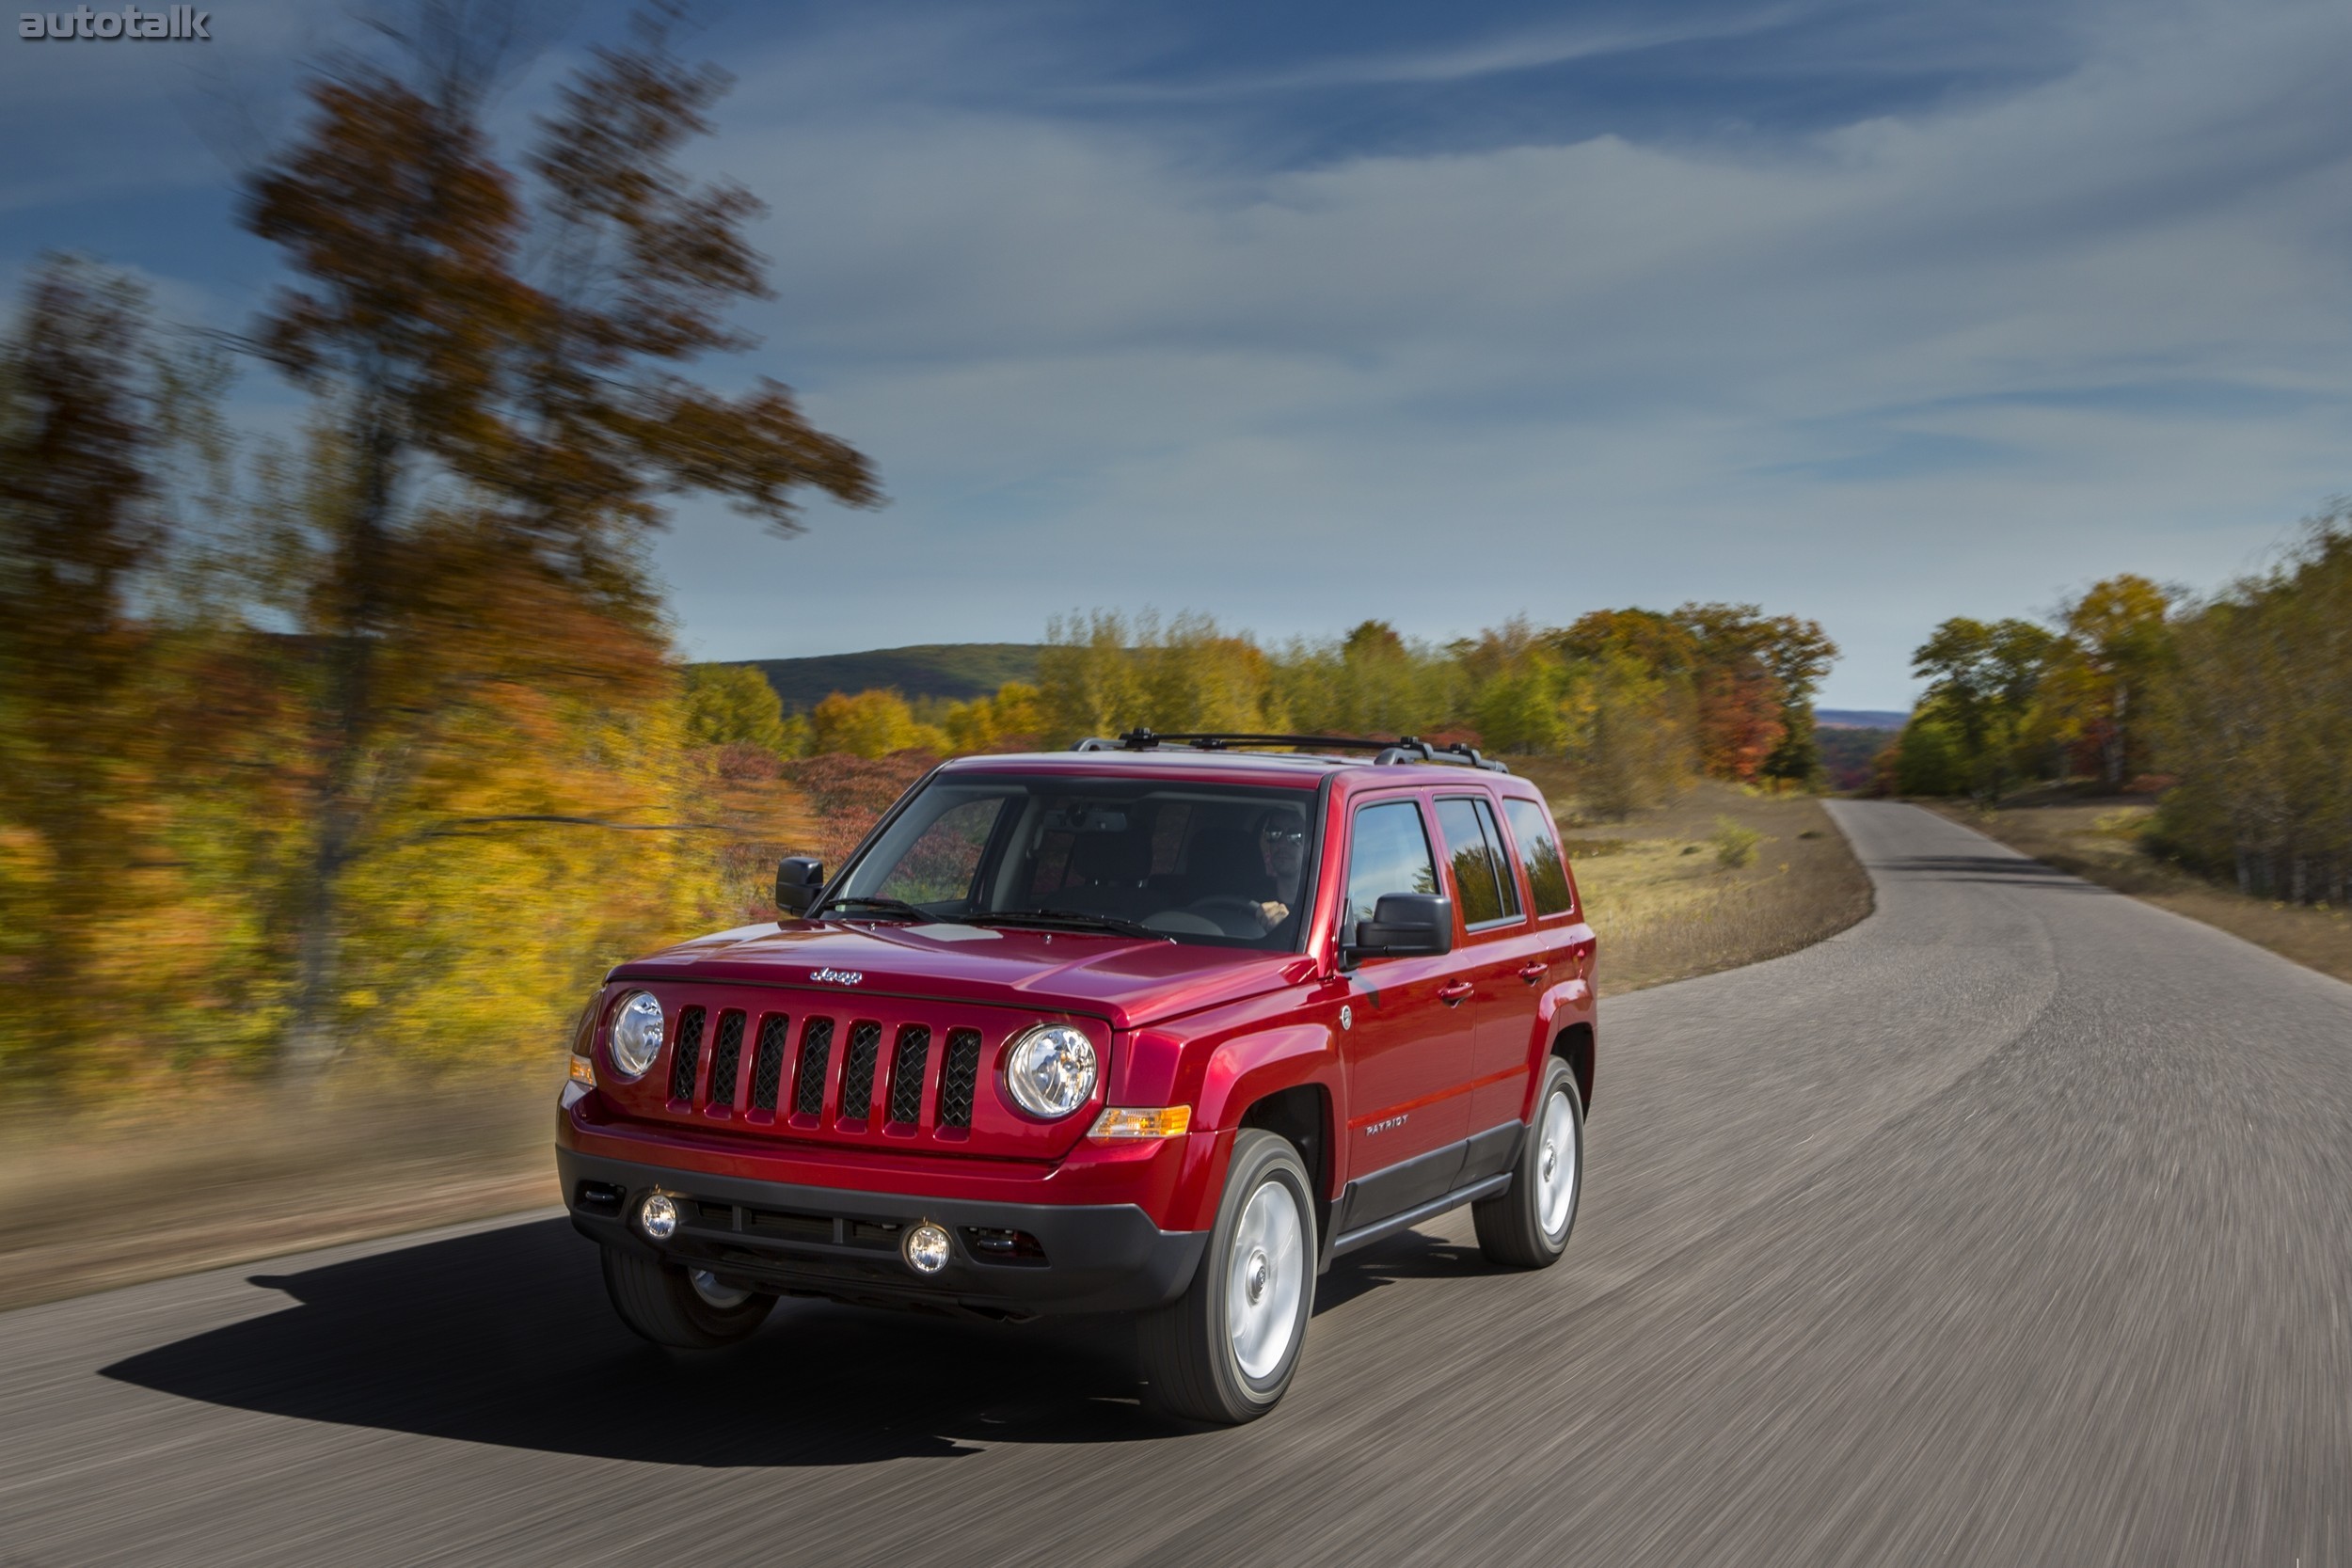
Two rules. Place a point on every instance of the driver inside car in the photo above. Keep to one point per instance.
(1282, 850)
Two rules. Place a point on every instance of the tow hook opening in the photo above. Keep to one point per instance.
(598, 1197)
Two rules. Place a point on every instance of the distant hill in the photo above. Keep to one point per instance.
(1858, 719)
(956, 670)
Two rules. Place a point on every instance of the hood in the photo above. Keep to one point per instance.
(1125, 980)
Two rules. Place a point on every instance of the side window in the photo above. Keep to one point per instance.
(1505, 883)
(1478, 872)
(1389, 852)
(1540, 851)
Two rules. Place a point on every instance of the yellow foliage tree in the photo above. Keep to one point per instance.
(871, 724)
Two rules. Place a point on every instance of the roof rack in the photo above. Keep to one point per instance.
(1406, 749)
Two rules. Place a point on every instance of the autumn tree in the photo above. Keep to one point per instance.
(2254, 717)
(503, 434)
(2112, 649)
(732, 704)
(78, 521)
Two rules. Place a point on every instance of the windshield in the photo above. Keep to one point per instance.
(1213, 864)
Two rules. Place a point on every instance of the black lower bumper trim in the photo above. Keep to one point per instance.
(832, 1241)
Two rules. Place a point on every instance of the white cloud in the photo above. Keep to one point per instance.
(1098, 367)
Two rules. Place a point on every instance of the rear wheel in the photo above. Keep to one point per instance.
(1527, 1225)
(1226, 1349)
(683, 1308)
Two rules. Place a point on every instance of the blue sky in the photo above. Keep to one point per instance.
(1874, 312)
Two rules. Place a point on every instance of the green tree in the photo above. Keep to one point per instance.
(1982, 678)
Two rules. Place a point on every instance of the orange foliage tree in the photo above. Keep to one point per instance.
(553, 403)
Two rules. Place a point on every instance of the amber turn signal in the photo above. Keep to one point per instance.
(583, 1072)
(1163, 1121)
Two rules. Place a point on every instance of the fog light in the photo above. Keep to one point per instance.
(926, 1249)
(657, 1217)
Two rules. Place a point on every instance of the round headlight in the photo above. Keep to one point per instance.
(636, 1033)
(1050, 1071)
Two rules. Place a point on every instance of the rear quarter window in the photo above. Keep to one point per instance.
(1539, 855)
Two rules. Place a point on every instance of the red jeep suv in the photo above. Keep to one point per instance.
(1158, 1025)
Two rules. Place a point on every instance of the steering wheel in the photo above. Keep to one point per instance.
(1236, 903)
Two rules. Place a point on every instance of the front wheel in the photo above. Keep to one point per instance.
(1527, 1225)
(683, 1308)
(1226, 1349)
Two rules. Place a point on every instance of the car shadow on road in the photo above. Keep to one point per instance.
(504, 1337)
(1994, 870)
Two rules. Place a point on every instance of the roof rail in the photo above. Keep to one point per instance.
(1406, 749)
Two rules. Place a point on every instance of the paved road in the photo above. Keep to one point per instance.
(2013, 1225)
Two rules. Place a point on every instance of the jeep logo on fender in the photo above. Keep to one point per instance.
(836, 977)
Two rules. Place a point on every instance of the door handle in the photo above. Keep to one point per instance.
(1451, 993)
(1534, 974)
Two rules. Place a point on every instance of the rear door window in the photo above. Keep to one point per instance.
(1539, 853)
(1473, 844)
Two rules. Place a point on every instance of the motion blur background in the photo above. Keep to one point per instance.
(394, 429)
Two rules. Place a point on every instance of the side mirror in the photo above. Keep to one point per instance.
(1404, 924)
(798, 882)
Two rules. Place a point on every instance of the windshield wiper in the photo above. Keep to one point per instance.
(1077, 920)
(898, 907)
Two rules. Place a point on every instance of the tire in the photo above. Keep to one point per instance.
(1526, 1225)
(663, 1303)
(1224, 1351)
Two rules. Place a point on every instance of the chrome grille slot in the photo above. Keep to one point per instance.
(906, 1073)
(959, 1077)
(688, 1054)
(726, 1059)
(857, 1071)
(808, 1081)
(767, 1065)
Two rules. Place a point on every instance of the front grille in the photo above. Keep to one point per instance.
(903, 1073)
(906, 1074)
(726, 1059)
(959, 1077)
(857, 1071)
(768, 1066)
(687, 1056)
(808, 1084)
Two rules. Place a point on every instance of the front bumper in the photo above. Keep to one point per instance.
(1009, 1260)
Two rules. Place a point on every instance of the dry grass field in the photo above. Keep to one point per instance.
(205, 1184)
(99, 1203)
(2098, 839)
(1666, 905)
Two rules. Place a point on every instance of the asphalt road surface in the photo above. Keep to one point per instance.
(2013, 1225)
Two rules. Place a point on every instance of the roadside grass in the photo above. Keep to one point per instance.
(143, 1190)
(1663, 892)
(135, 1192)
(2098, 838)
